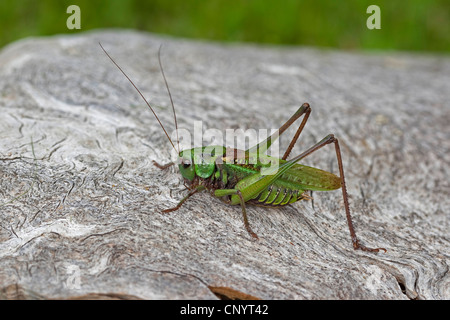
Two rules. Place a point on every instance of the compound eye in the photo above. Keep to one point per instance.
(186, 164)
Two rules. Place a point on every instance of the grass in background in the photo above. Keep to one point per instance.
(413, 25)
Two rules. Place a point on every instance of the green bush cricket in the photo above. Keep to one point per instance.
(229, 175)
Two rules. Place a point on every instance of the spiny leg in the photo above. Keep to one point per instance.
(229, 192)
(191, 193)
(263, 146)
(306, 110)
(162, 166)
(327, 140)
(244, 214)
(165, 166)
(355, 241)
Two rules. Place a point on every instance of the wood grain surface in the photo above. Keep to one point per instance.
(80, 215)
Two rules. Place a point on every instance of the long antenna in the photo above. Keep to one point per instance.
(170, 96)
(148, 104)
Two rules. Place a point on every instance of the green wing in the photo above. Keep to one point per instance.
(309, 178)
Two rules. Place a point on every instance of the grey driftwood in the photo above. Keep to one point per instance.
(81, 216)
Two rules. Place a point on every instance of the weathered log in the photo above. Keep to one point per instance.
(81, 200)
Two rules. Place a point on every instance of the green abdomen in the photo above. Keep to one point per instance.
(291, 186)
(278, 195)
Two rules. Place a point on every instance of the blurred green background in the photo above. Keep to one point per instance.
(409, 25)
